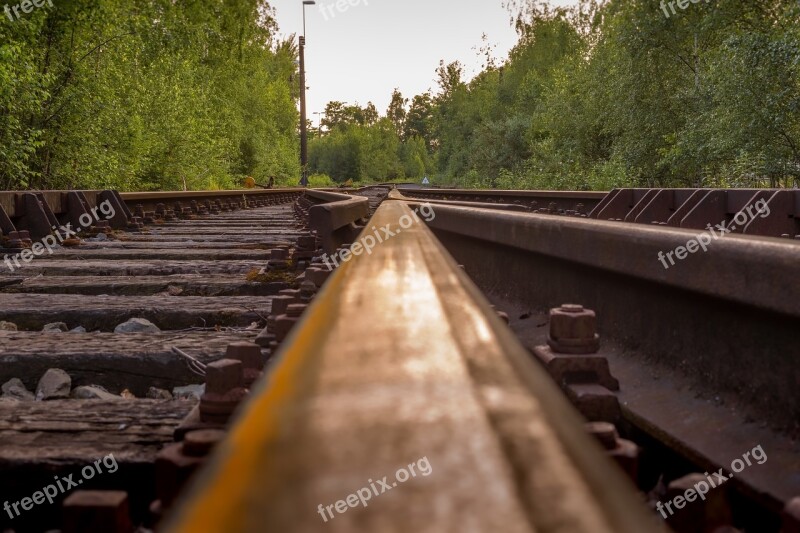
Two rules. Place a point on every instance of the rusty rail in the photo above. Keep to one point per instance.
(577, 202)
(335, 216)
(27, 216)
(400, 358)
(729, 314)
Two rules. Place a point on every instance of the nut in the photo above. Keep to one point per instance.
(573, 330)
(307, 291)
(199, 443)
(280, 304)
(791, 516)
(97, 510)
(223, 376)
(605, 432)
(224, 391)
(250, 356)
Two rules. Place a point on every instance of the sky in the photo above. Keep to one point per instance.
(361, 52)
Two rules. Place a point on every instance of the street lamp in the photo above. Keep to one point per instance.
(319, 123)
(303, 126)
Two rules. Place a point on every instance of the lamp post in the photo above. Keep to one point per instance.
(319, 123)
(303, 125)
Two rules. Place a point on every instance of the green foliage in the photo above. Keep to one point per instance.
(146, 94)
(616, 94)
(321, 181)
(366, 151)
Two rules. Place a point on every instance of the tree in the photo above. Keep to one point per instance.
(146, 95)
(397, 111)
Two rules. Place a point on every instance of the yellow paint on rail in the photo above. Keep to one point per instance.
(213, 504)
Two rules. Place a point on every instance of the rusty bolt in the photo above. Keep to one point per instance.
(224, 391)
(317, 276)
(573, 330)
(791, 516)
(199, 443)
(250, 356)
(97, 510)
(285, 323)
(279, 254)
(294, 293)
(703, 514)
(624, 452)
(307, 242)
(280, 304)
(266, 337)
(176, 463)
(295, 310)
(605, 432)
(307, 291)
(223, 376)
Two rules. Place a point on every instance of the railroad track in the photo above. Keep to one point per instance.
(400, 358)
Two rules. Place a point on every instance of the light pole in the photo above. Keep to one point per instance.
(303, 125)
(319, 123)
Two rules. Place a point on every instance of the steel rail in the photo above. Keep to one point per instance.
(401, 358)
(563, 200)
(729, 314)
(334, 219)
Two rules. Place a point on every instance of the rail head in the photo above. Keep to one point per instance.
(166, 196)
(520, 193)
(743, 269)
(335, 219)
(401, 359)
(396, 194)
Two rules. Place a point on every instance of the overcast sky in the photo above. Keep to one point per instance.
(363, 52)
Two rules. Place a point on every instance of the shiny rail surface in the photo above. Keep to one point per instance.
(578, 201)
(728, 316)
(400, 358)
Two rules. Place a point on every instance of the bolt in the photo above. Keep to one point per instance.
(199, 443)
(223, 376)
(97, 510)
(624, 452)
(317, 276)
(704, 514)
(605, 432)
(294, 293)
(176, 463)
(308, 242)
(307, 291)
(279, 254)
(791, 516)
(573, 330)
(285, 323)
(280, 304)
(224, 391)
(250, 356)
(295, 310)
